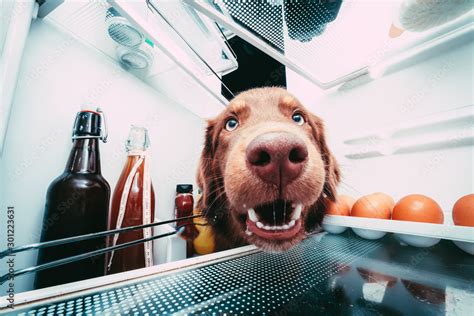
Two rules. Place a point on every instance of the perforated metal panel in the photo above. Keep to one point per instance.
(310, 37)
(259, 283)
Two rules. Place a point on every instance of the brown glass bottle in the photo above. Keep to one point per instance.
(133, 208)
(76, 204)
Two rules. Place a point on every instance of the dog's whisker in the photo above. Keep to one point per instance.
(350, 187)
(215, 177)
(216, 199)
(217, 188)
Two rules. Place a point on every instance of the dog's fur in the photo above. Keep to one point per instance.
(229, 188)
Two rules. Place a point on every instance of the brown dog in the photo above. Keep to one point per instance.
(265, 171)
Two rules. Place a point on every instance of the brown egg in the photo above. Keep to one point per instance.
(340, 207)
(349, 200)
(463, 211)
(385, 197)
(395, 31)
(372, 206)
(418, 208)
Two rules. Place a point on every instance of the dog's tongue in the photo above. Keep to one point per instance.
(274, 234)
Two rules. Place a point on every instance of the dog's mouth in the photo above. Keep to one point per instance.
(277, 220)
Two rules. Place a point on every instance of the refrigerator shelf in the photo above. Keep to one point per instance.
(446, 129)
(160, 59)
(412, 233)
(307, 37)
(327, 273)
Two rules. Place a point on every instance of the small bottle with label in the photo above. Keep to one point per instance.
(184, 204)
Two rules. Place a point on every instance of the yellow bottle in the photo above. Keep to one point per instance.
(204, 243)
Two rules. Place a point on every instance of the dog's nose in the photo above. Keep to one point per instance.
(277, 157)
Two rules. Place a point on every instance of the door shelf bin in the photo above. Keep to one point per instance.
(412, 233)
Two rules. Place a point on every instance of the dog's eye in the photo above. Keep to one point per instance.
(231, 124)
(298, 118)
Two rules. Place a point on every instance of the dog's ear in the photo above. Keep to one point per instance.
(317, 210)
(204, 172)
(333, 174)
(207, 179)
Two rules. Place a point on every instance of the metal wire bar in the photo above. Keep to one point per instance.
(68, 240)
(86, 255)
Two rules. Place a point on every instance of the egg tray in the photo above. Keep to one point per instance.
(411, 233)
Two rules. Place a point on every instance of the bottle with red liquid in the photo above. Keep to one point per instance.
(77, 203)
(184, 205)
(133, 203)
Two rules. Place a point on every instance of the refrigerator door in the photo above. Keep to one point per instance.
(13, 33)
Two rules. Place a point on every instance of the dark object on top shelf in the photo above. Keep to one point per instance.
(256, 69)
(308, 19)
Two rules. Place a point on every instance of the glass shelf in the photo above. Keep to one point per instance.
(331, 42)
(329, 274)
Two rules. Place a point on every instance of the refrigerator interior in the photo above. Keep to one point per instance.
(60, 74)
(409, 131)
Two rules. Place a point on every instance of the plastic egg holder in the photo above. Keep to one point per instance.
(334, 229)
(466, 246)
(368, 233)
(417, 241)
(415, 234)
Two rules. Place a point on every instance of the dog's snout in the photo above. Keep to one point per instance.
(277, 157)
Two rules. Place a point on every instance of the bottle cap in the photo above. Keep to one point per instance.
(184, 188)
(137, 139)
(89, 124)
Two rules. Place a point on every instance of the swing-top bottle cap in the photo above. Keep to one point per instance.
(90, 124)
(137, 139)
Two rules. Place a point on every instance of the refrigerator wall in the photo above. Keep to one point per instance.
(60, 74)
(432, 90)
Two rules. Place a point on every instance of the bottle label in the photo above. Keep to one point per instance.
(147, 212)
(144, 158)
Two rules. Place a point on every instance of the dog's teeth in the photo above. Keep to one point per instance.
(292, 223)
(286, 226)
(297, 211)
(252, 215)
(259, 225)
(266, 227)
(249, 233)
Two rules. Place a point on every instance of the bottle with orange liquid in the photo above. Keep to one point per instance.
(133, 203)
(184, 203)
